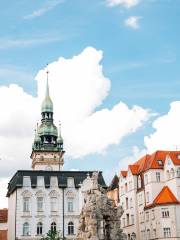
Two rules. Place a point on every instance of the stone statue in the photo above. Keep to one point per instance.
(99, 220)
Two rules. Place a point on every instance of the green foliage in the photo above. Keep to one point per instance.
(53, 235)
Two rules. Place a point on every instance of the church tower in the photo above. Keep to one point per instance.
(47, 150)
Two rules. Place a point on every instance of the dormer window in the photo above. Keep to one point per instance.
(160, 162)
(178, 156)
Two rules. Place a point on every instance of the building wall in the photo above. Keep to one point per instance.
(47, 216)
(145, 195)
(11, 216)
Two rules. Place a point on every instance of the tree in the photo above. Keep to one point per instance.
(53, 235)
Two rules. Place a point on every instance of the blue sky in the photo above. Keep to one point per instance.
(142, 61)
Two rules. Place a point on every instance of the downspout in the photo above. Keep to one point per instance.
(63, 213)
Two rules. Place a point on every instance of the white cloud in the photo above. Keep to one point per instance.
(125, 3)
(167, 131)
(14, 43)
(77, 87)
(135, 156)
(132, 22)
(51, 4)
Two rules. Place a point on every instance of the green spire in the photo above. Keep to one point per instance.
(47, 104)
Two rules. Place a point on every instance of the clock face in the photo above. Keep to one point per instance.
(49, 168)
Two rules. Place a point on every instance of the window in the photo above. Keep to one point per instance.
(127, 203)
(124, 223)
(70, 206)
(148, 234)
(126, 188)
(70, 182)
(178, 172)
(178, 156)
(25, 204)
(140, 199)
(167, 232)
(40, 181)
(147, 216)
(53, 226)
(132, 219)
(139, 182)
(154, 233)
(26, 182)
(167, 175)
(26, 229)
(147, 197)
(165, 213)
(146, 179)
(160, 162)
(131, 203)
(53, 204)
(153, 215)
(127, 217)
(39, 228)
(70, 228)
(158, 176)
(172, 173)
(39, 204)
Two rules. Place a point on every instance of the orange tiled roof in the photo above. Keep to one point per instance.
(134, 169)
(123, 173)
(165, 197)
(154, 161)
(3, 215)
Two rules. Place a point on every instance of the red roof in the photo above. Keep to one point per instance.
(134, 169)
(164, 197)
(3, 234)
(3, 215)
(154, 161)
(123, 173)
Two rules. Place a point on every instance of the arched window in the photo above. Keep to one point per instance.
(39, 228)
(53, 226)
(133, 236)
(26, 229)
(172, 173)
(70, 228)
(178, 172)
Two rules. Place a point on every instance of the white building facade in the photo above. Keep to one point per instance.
(149, 193)
(46, 197)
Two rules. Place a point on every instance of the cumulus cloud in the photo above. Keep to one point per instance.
(125, 3)
(132, 22)
(49, 5)
(167, 129)
(77, 87)
(135, 156)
